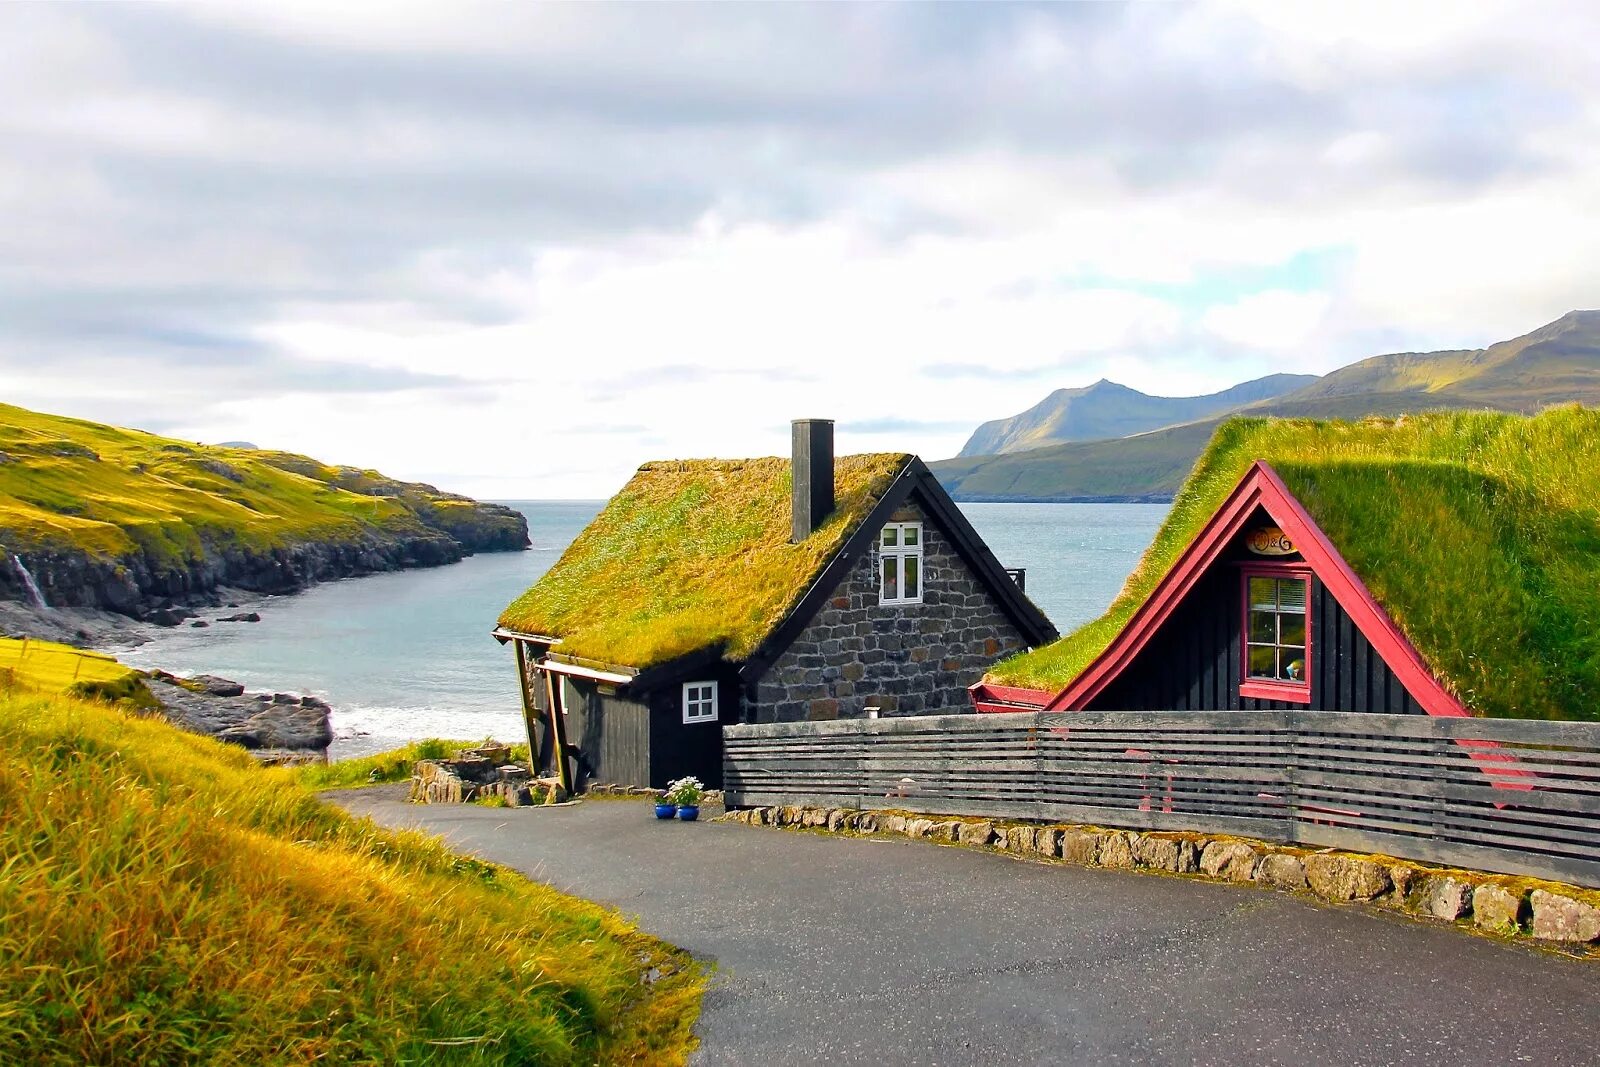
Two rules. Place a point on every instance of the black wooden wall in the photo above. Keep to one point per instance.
(642, 739)
(1194, 663)
(611, 735)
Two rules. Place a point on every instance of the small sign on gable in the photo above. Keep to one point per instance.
(1269, 541)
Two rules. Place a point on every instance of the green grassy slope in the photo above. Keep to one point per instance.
(165, 900)
(1479, 533)
(153, 505)
(1555, 364)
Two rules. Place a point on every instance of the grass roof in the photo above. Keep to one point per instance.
(690, 554)
(1479, 534)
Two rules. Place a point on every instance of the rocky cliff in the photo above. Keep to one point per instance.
(95, 516)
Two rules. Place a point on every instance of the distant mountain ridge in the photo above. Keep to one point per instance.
(1555, 364)
(1106, 409)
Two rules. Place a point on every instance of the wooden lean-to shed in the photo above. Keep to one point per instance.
(710, 592)
(1441, 564)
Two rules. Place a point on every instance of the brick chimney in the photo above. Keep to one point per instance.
(813, 475)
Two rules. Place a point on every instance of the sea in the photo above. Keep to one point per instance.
(407, 655)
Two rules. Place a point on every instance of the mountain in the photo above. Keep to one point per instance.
(1554, 364)
(1557, 363)
(97, 516)
(1106, 409)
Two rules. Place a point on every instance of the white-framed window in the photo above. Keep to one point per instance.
(699, 702)
(900, 563)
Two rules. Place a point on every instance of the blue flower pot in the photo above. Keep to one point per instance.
(689, 812)
(666, 811)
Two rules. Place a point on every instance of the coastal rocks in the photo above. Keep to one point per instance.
(243, 616)
(222, 709)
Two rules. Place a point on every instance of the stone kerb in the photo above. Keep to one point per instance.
(1545, 911)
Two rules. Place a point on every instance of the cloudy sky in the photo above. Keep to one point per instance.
(517, 250)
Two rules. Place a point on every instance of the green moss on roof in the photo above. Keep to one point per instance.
(691, 554)
(1479, 534)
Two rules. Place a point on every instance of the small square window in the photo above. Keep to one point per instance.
(1277, 643)
(699, 702)
(900, 564)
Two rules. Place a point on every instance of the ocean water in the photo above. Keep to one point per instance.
(408, 655)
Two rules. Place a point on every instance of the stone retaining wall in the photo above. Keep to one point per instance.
(1546, 911)
(476, 775)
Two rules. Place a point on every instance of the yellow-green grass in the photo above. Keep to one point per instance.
(45, 667)
(693, 554)
(1479, 533)
(112, 492)
(394, 765)
(164, 900)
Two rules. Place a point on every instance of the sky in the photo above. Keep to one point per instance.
(516, 250)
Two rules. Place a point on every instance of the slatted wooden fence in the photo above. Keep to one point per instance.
(1512, 796)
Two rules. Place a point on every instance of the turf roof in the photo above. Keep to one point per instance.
(1479, 534)
(692, 554)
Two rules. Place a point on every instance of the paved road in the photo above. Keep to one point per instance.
(855, 951)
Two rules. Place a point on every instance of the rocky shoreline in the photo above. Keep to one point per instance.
(277, 728)
(135, 587)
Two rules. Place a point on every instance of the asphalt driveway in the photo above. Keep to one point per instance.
(855, 951)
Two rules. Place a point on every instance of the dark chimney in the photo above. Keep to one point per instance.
(813, 475)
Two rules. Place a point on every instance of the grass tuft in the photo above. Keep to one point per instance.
(166, 900)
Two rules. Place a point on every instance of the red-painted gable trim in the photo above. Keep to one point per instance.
(1261, 487)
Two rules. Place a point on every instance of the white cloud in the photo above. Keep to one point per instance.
(1273, 321)
(518, 251)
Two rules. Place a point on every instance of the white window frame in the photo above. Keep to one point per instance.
(900, 552)
(696, 706)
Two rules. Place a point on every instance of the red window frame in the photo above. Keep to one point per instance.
(1263, 688)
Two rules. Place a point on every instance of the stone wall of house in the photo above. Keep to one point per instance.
(908, 659)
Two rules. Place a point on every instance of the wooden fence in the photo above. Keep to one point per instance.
(1512, 796)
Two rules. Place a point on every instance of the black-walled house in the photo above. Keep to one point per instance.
(710, 592)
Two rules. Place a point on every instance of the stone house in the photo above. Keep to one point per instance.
(710, 592)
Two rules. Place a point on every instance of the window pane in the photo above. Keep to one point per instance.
(1261, 628)
(1263, 664)
(1262, 594)
(1291, 630)
(891, 536)
(913, 535)
(1294, 663)
(891, 580)
(913, 577)
(1292, 595)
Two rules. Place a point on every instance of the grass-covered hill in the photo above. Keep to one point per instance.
(1106, 409)
(1479, 533)
(1556, 364)
(164, 900)
(115, 518)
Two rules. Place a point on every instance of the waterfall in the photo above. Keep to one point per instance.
(35, 596)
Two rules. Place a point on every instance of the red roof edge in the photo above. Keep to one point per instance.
(1262, 487)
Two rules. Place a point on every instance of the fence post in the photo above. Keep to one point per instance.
(1291, 776)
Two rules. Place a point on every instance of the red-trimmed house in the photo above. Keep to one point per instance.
(1259, 612)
